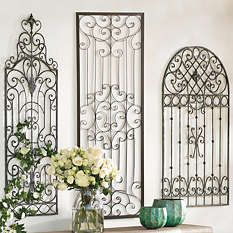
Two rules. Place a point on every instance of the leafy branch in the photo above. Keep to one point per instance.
(12, 210)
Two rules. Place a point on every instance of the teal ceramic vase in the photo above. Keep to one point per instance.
(153, 217)
(176, 210)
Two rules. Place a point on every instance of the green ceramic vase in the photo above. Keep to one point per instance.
(176, 209)
(153, 217)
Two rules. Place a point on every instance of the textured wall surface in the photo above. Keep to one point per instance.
(169, 25)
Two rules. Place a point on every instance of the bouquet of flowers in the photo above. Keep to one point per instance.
(86, 171)
(77, 168)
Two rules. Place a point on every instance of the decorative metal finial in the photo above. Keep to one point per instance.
(31, 21)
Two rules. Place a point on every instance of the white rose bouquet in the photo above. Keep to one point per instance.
(86, 171)
(81, 169)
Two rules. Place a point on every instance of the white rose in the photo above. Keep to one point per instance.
(10, 214)
(95, 153)
(5, 204)
(85, 162)
(103, 172)
(71, 172)
(68, 164)
(99, 163)
(43, 152)
(77, 161)
(114, 173)
(12, 231)
(36, 195)
(81, 179)
(92, 180)
(23, 177)
(62, 186)
(95, 170)
(51, 170)
(72, 154)
(24, 150)
(105, 184)
(64, 151)
(61, 163)
(54, 158)
(23, 215)
(107, 164)
(70, 180)
(55, 183)
(59, 171)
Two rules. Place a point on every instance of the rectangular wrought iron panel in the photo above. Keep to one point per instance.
(31, 94)
(195, 104)
(110, 87)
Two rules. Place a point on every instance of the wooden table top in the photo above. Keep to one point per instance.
(179, 229)
(184, 228)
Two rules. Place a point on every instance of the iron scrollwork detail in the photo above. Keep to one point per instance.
(31, 94)
(110, 74)
(195, 102)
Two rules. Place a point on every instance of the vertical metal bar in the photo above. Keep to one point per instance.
(56, 147)
(220, 152)
(196, 149)
(204, 162)
(110, 95)
(142, 108)
(126, 103)
(134, 93)
(78, 77)
(179, 151)
(163, 142)
(171, 161)
(188, 128)
(6, 127)
(212, 150)
(94, 88)
(228, 140)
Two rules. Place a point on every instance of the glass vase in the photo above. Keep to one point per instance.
(87, 213)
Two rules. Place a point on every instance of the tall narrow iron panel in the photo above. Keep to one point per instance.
(110, 83)
(31, 94)
(195, 102)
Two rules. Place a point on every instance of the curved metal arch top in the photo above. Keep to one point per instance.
(195, 103)
(31, 94)
(193, 62)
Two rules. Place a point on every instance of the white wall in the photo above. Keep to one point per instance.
(169, 25)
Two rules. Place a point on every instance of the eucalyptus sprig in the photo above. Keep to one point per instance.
(12, 210)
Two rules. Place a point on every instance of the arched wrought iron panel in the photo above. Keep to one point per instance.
(31, 94)
(110, 99)
(195, 102)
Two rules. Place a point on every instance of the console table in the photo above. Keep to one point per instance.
(179, 229)
(184, 228)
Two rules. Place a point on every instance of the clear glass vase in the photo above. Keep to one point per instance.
(87, 213)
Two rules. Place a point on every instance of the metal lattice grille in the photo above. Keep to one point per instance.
(110, 76)
(195, 103)
(31, 94)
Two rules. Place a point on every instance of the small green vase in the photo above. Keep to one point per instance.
(153, 217)
(176, 209)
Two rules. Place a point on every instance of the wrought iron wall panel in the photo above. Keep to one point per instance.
(110, 82)
(31, 94)
(195, 104)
